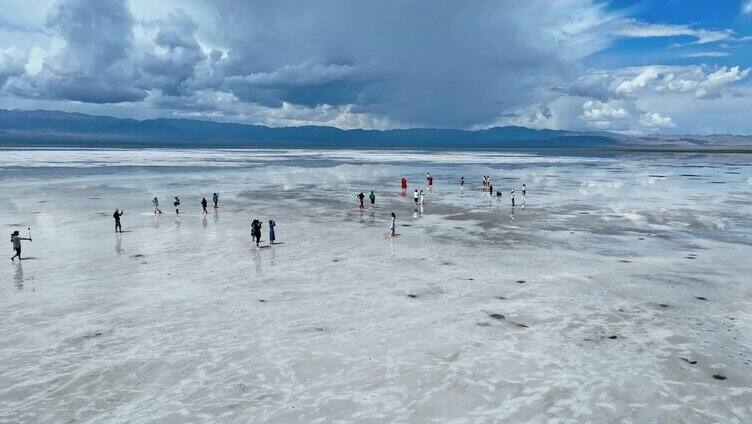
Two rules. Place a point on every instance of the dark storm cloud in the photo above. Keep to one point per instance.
(168, 71)
(446, 63)
(96, 65)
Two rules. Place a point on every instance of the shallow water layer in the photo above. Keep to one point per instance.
(617, 290)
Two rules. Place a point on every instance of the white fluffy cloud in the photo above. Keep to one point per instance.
(12, 63)
(656, 121)
(747, 6)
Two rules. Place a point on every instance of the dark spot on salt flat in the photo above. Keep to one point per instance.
(625, 261)
(14, 225)
(500, 317)
(657, 176)
(700, 298)
(242, 387)
(519, 324)
(640, 238)
(471, 279)
(717, 182)
(663, 305)
(689, 175)
(690, 257)
(319, 329)
(94, 198)
(584, 213)
(262, 300)
(483, 324)
(719, 376)
(520, 281)
(412, 296)
(501, 298)
(688, 361)
(447, 263)
(137, 255)
(612, 337)
(335, 260)
(406, 225)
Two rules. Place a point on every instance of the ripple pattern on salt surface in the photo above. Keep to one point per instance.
(618, 294)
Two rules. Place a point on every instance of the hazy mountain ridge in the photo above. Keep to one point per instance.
(43, 127)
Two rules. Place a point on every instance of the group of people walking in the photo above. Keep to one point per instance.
(361, 197)
(256, 225)
(176, 204)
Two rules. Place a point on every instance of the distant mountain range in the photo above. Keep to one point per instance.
(54, 128)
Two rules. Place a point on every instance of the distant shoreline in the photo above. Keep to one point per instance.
(51, 145)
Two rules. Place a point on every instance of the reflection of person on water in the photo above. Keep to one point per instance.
(176, 203)
(360, 197)
(203, 205)
(117, 215)
(415, 196)
(490, 190)
(155, 202)
(372, 197)
(393, 226)
(215, 198)
(272, 236)
(16, 240)
(256, 232)
(18, 276)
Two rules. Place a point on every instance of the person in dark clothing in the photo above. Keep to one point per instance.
(203, 205)
(256, 232)
(176, 203)
(272, 236)
(360, 197)
(490, 190)
(16, 240)
(372, 197)
(155, 202)
(215, 198)
(118, 226)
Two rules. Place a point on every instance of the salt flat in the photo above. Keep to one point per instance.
(616, 295)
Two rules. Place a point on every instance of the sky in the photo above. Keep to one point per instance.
(635, 67)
